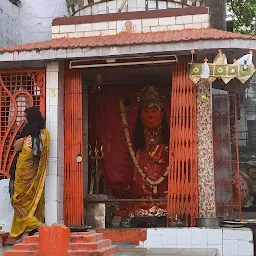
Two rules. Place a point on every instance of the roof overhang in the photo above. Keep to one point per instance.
(238, 46)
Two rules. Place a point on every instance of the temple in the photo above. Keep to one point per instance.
(143, 103)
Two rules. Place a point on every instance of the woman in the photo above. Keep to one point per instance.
(28, 196)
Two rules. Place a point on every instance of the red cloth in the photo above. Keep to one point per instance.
(154, 171)
(106, 126)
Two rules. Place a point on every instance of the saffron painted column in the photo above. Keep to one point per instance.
(55, 124)
(206, 181)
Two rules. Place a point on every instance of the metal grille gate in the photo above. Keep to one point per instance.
(18, 90)
(226, 156)
(73, 172)
(183, 175)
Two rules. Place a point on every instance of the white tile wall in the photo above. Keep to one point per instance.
(188, 19)
(139, 25)
(184, 237)
(245, 248)
(51, 212)
(100, 26)
(214, 236)
(200, 18)
(150, 22)
(67, 28)
(230, 247)
(229, 242)
(54, 122)
(199, 236)
(166, 21)
(83, 27)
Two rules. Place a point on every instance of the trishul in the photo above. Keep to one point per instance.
(95, 154)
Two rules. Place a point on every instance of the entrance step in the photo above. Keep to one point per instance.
(26, 247)
(81, 244)
(21, 253)
(31, 239)
(108, 251)
(85, 238)
(91, 246)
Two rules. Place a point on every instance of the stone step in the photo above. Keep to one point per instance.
(26, 246)
(21, 253)
(31, 239)
(83, 233)
(91, 246)
(82, 238)
(108, 251)
(81, 244)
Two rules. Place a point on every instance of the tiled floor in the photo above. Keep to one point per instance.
(166, 252)
(153, 252)
(2, 249)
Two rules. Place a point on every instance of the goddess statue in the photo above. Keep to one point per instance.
(151, 141)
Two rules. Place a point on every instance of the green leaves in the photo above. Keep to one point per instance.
(243, 14)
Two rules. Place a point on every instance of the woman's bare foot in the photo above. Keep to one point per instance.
(13, 240)
(16, 240)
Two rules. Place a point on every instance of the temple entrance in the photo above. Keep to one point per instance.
(119, 124)
(128, 142)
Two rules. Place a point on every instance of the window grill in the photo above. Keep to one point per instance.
(18, 91)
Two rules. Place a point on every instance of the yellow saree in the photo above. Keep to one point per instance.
(28, 196)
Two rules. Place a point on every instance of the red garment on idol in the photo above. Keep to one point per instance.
(153, 162)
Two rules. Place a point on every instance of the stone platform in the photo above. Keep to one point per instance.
(81, 244)
(167, 252)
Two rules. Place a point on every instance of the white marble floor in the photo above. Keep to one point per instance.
(166, 252)
(153, 252)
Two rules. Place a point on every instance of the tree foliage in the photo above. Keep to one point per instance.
(243, 14)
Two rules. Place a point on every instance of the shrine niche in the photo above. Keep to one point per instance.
(129, 143)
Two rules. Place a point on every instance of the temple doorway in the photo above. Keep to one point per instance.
(119, 123)
(126, 112)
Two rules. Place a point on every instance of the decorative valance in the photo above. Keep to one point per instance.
(242, 69)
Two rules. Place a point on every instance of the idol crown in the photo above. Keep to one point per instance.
(149, 97)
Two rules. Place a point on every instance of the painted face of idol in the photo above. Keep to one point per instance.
(151, 117)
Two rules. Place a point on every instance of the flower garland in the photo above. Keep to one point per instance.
(129, 144)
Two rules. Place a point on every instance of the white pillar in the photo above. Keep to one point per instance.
(54, 183)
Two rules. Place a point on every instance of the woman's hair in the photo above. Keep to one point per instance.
(35, 123)
(33, 127)
(139, 137)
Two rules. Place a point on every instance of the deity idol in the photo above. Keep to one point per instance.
(151, 143)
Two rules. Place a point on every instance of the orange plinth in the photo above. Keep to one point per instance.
(53, 240)
(57, 241)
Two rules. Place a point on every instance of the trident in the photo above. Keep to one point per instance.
(95, 154)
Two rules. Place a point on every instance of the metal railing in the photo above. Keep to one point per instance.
(76, 7)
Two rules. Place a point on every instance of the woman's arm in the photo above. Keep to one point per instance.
(18, 144)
